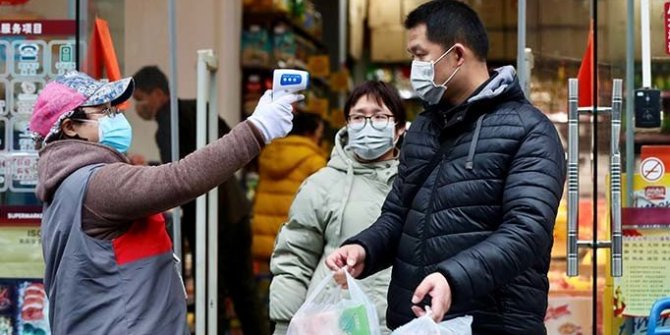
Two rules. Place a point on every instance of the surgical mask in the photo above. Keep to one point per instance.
(423, 79)
(369, 143)
(115, 132)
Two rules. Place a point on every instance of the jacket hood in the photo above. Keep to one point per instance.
(503, 85)
(283, 155)
(342, 159)
(59, 159)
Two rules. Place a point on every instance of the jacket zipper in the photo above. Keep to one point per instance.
(429, 216)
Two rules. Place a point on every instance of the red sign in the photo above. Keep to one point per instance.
(654, 192)
(37, 27)
(20, 215)
(12, 2)
(666, 17)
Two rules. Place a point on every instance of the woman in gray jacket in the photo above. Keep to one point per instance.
(339, 201)
(108, 258)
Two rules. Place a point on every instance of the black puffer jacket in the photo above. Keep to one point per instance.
(483, 218)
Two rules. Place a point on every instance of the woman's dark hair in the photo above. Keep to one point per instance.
(384, 94)
(305, 124)
(77, 115)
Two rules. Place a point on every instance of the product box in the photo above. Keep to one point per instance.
(409, 5)
(389, 44)
(357, 16)
(358, 10)
(565, 13)
(511, 13)
(496, 45)
(384, 13)
(24, 308)
(568, 43)
(285, 47)
(256, 46)
(354, 321)
(490, 12)
(356, 39)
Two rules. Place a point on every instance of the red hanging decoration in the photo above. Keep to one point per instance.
(12, 2)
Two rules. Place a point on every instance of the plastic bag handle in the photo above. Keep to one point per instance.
(322, 285)
(354, 290)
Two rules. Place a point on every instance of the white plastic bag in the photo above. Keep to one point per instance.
(332, 310)
(426, 326)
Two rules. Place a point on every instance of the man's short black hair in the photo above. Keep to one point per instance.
(305, 123)
(149, 78)
(383, 93)
(449, 22)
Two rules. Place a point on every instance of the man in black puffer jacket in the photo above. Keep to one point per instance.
(468, 224)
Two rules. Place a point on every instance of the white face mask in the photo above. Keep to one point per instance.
(423, 76)
(369, 143)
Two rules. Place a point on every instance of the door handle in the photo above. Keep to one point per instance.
(573, 177)
(615, 242)
(615, 180)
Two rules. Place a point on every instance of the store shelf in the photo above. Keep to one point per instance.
(263, 18)
(268, 71)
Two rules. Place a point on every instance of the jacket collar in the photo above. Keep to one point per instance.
(502, 86)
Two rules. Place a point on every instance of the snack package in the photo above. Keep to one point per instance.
(331, 310)
(354, 320)
(284, 45)
(32, 318)
(6, 325)
(6, 300)
(256, 46)
(426, 326)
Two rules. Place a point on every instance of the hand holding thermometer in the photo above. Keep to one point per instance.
(286, 81)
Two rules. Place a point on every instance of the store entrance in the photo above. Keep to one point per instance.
(605, 245)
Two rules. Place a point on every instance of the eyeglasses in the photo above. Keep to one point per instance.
(378, 121)
(107, 111)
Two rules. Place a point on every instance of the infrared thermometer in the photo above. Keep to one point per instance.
(286, 81)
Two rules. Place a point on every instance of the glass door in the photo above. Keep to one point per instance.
(570, 39)
(616, 133)
(646, 251)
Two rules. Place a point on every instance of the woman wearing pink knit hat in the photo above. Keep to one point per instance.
(109, 262)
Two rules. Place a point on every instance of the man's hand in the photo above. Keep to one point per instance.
(438, 288)
(352, 255)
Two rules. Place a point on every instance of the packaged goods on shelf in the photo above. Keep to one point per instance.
(284, 45)
(24, 308)
(267, 5)
(253, 87)
(256, 46)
